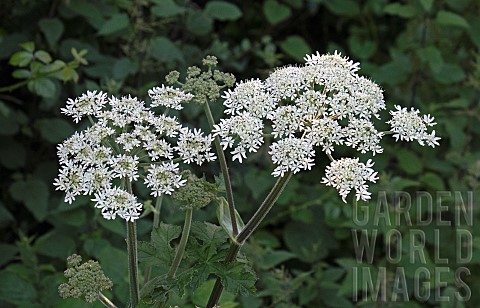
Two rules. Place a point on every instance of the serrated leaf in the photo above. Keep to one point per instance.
(167, 8)
(426, 4)
(21, 58)
(43, 56)
(225, 220)
(452, 19)
(159, 251)
(164, 50)
(54, 130)
(296, 47)
(275, 12)
(52, 28)
(222, 10)
(237, 278)
(402, 10)
(273, 258)
(116, 23)
(34, 194)
(21, 74)
(55, 245)
(124, 67)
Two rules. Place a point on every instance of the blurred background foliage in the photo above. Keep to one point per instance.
(424, 53)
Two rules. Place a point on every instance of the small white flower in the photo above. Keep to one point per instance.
(248, 96)
(168, 97)
(409, 126)
(193, 146)
(291, 154)
(361, 135)
(164, 178)
(242, 131)
(124, 166)
(346, 174)
(116, 201)
(88, 104)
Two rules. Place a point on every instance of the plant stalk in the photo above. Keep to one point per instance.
(132, 262)
(105, 301)
(250, 227)
(224, 168)
(183, 244)
(156, 223)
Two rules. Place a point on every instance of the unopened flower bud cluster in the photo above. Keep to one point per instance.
(127, 142)
(323, 104)
(85, 279)
(196, 193)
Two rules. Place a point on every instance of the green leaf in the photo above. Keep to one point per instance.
(54, 130)
(28, 46)
(15, 290)
(21, 74)
(433, 181)
(21, 58)
(426, 4)
(451, 19)
(409, 161)
(258, 182)
(9, 252)
(159, 251)
(224, 218)
(43, 56)
(5, 215)
(361, 47)
(43, 86)
(296, 47)
(237, 278)
(275, 12)
(55, 245)
(57, 65)
(405, 11)
(343, 7)
(116, 23)
(124, 67)
(202, 293)
(222, 10)
(450, 73)
(199, 23)
(167, 8)
(432, 56)
(274, 258)
(164, 50)
(34, 194)
(52, 28)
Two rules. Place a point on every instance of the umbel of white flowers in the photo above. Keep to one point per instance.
(324, 104)
(127, 141)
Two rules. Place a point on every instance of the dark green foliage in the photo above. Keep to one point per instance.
(424, 53)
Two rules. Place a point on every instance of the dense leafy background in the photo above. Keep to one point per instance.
(424, 53)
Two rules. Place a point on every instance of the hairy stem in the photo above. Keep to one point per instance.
(224, 168)
(132, 262)
(250, 227)
(132, 257)
(183, 244)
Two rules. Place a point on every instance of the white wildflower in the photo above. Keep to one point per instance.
(409, 126)
(116, 201)
(193, 146)
(291, 154)
(168, 97)
(124, 166)
(88, 104)
(346, 174)
(164, 178)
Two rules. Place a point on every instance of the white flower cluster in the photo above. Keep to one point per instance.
(409, 126)
(168, 97)
(125, 142)
(346, 174)
(324, 104)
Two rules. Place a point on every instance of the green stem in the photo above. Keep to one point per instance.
(250, 227)
(14, 86)
(224, 168)
(156, 214)
(132, 262)
(132, 257)
(183, 244)
(105, 301)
